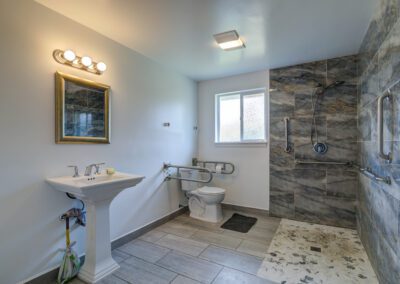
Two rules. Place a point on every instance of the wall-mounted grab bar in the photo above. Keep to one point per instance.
(299, 162)
(287, 149)
(224, 167)
(178, 174)
(387, 156)
(368, 173)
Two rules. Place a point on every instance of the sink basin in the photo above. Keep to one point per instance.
(96, 192)
(96, 187)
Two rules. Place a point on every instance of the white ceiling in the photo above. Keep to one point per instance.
(179, 33)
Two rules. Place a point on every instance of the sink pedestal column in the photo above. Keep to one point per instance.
(98, 261)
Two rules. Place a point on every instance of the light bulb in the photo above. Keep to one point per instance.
(86, 61)
(69, 55)
(101, 66)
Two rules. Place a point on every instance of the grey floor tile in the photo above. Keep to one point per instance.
(184, 280)
(135, 270)
(253, 248)
(112, 279)
(241, 261)
(189, 266)
(256, 234)
(230, 276)
(152, 236)
(144, 250)
(177, 228)
(216, 239)
(184, 245)
(119, 255)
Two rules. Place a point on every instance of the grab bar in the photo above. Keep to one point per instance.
(178, 175)
(287, 149)
(299, 162)
(382, 154)
(196, 162)
(368, 173)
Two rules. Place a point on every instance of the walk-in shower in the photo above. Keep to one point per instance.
(319, 147)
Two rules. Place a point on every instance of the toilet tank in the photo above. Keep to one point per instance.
(189, 174)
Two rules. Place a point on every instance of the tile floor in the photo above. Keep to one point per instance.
(186, 251)
(309, 253)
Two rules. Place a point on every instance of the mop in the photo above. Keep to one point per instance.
(70, 263)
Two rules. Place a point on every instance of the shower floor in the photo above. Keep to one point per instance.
(309, 253)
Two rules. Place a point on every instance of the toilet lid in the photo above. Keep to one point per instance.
(211, 190)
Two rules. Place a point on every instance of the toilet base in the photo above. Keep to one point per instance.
(211, 213)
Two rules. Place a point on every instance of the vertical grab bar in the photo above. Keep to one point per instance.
(287, 149)
(382, 154)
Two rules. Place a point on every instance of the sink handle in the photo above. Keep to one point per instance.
(76, 171)
(97, 167)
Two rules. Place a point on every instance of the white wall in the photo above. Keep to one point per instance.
(144, 95)
(249, 186)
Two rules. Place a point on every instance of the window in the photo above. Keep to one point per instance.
(240, 117)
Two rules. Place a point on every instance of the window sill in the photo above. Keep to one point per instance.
(241, 144)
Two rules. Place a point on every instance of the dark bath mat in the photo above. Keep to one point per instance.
(239, 223)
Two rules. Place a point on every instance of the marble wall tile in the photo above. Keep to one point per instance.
(342, 183)
(302, 76)
(340, 99)
(364, 125)
(336, 119)
(282, 102)
(342, 69)
(385, 212)
(301, 128)
(369, 83)
(303, 101)
(327, 210)
(342, 128)
(280, 160)
(277, 129)
(378, 212)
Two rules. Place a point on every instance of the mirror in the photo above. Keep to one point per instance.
(82, 111)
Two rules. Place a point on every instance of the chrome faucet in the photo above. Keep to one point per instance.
(89, 169)
(76, 171)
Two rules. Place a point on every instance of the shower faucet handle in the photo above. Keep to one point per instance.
(76, 171)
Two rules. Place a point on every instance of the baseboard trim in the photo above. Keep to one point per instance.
(50, 276)
(146, 228)
(245, 209)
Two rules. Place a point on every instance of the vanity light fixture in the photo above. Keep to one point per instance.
(69, 58)
(229, 40)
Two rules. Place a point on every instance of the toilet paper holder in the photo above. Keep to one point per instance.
(218, 167)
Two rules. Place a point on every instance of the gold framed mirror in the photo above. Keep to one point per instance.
(82, 111)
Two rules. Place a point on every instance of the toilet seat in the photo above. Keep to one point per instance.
(211, 190)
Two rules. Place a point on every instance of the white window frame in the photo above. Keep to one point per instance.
(242, 94)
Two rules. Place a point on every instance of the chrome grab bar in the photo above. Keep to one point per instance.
(178, 175)
(381, 99)
(368, 173)
(287, 149)
(299, 162)
(224, 171)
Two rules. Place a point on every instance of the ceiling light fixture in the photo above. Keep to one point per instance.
(229, 40)
(69, 58)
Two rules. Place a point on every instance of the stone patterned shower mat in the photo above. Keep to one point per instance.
(309, 253)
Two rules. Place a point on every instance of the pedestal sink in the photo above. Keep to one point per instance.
(97, 192)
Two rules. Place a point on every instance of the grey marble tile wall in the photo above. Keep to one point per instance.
(378, 210)
(315, 193)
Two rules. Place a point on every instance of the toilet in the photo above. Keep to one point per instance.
(204, 201)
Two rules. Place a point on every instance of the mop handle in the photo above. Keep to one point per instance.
(68, 241)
